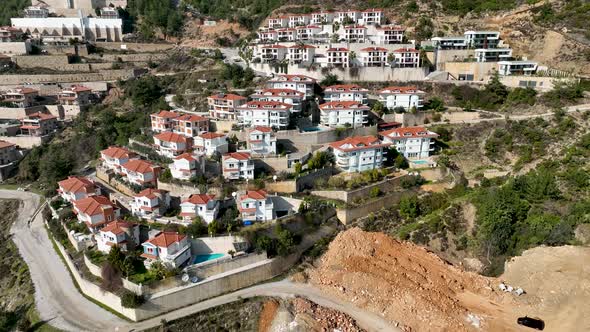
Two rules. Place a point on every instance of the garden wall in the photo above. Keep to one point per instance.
(385, 186)
(347, 215)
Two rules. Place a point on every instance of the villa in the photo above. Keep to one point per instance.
(122, 234)
(202, 205)
(411, 142)
(285, 96)
(170, 248)
(262, 141)
(301, 83)
(401, 96)
(141, 172)
(115, 157)
(150, 203)
(95, 211)
(169, 144)
(75, 188)
(211, 143)
(343, 113)
(255, 205)
(359, 153)
(187, 166)
(346, 92)
(223, 106)
(265, 113)
(163, 121)
(238, 165)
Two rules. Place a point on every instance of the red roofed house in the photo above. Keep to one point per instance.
(223, 106)
(122, 234)
(390, 34)
(114, 157)
(359, 153)
(169, 144)
(262, 141)
(401, 96)
(210, 143)
(95, 211)
(76, 95)
(412, 142)
(255, 205)
(346, 92)
(286, 96)
(301, 83)
(150, 203)
(338, 56)
(191, 125)
(163, 121)
(373, 56)
(307, 32)
(238, 165)
(297, 54)
(7, 152)
(186, 166)
(343, 113)
(38, 124)
(407, 57)
(372, 16)
(202, 205)
(141, 172)
(21, 97)
(171, 248)
(76, 188)
(265, 113)
(267, 35)
(355, 33)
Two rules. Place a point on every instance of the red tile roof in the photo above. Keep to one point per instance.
(259, 104)
(290, 78)
(76, 184)
(4, 144)
(274, 46)
(409, 132)
(237, 155)
(150, 193)
(117, 227)
(337, 49)
(228, 96)
(199, 198)
(210, 135)
(172, 137)
(41, 116)
(185, 156)
(339, 105)
(355, 26)
(392, 27)
(357, 143)
(191, 118)
(166, 114)
(263, 129)
(302, 46)
(344, 88)
(165, 239)
(406, 50)
(94, 205)
(25, 91)
(255, 194)
(374, 49)
(278, 92)
(117, 152)
(400, 90)
(79, 88)
(140, 166)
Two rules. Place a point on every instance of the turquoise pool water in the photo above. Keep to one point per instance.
(420, 162)
(206, 257)
(311, 129)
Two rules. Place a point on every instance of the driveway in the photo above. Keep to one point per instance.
(59, 302)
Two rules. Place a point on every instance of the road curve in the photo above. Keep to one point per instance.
(59, 302)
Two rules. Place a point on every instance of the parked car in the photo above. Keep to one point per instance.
(534, 323)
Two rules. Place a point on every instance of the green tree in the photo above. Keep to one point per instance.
(400, 162)
(408, 206)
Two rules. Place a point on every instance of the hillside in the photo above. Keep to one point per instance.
(11, 8)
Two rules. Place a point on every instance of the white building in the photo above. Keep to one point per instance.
(210, 143)
(172, 249)
(114, 157)
(346, 92)
(355, 33)
(343, 113)
(301, 83)
(345, 16)
(390, 34)
(95, 211)
(265, 113)
(262, 141)
(202, 205)
(493, 54)
(297, 54)
(338, 57)
(76, 95)
(517, 67)
(407, 58)
(308, 32)
(62, 29)
(298, 20)
(238, 165)
(150, 203)
(223, 106)
(187, 166)
(373, 56)
(141, 172)
(322, 17)
(76, 188)
(372, 16)
(255, 205)
(122, 234)
(169, 144)
(287, 34)
(401, 96)
(411, 142)
(285, 96)
(267, 35)
(272, 53)
(482, 39)
(163, 121)
(359, 153)
(278, 22)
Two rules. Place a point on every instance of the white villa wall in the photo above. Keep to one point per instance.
(208, 245)
(15, 48)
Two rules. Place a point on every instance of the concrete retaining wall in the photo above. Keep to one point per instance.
(137, 47)
(218, 244)
(97, 271)
(385, 186)
(365, 74)
(229, 264)
(26, 142)
(17, 112)
(15, 48)
(281, 187)
(178, 190)
(479, 70)
(347, 215)
(138, 57)
(106, 75)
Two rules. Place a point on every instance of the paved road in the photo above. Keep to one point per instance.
(365, 319)
(57, 300)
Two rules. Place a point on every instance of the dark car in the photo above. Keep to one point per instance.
(533, 323)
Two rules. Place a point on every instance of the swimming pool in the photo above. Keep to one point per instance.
(206, 257)
(311, 129)
(420, 162)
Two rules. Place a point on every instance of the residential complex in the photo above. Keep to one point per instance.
(150, 203)
(199, 205)
(38, 124)
(343, 113)
(411, 142)
(359, 153)
(75, 188)
(346, 92)
(210, 144)
(141, 172)
(172, 249)
(262, 141)
(223, 106)
(122, 234)
(401, 96)
(301, 83)
(20, 97)
(187, 166)
(169, 144)
(238, 165)
(95, 211)
(255, 205)
(285, 96)
(265, 113)
(114, 157)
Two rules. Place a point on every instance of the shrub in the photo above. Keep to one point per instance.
(375, 192)
(131, 300)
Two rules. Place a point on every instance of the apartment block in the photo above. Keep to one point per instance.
(359, 153)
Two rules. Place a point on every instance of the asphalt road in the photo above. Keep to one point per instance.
(57, 299)
(59, 302)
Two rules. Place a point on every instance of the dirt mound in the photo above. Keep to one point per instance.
(404, 283)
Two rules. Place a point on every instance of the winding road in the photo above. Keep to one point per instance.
(61, 305)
